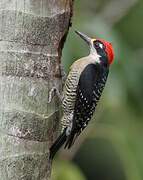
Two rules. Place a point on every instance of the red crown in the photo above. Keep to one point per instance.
(109, 50)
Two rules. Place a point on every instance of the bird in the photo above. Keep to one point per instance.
(82, 90)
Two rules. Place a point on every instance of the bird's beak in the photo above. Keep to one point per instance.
(84, 37)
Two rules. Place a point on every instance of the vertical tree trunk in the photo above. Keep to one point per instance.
(32, 34)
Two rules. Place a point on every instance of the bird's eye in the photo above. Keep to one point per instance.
(97, 45)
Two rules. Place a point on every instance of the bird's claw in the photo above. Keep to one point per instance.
(52, 93)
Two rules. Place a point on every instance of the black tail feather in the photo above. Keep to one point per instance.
(57, 144)
(70, 140)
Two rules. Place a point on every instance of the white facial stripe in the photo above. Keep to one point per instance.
(101, 45)
(94, 55)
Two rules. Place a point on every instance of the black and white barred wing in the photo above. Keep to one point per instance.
(90, 87)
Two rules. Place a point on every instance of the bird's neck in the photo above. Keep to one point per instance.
(94, 57)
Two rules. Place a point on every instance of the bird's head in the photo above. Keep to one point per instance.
(100, 48)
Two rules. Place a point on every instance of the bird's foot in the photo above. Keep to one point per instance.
(52, 93)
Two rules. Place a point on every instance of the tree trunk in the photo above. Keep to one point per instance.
(32, 34)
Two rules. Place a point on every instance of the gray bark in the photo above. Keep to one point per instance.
(32, 33)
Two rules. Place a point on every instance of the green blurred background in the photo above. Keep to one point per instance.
(111, 148)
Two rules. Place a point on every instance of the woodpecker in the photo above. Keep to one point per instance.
(83, 87)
